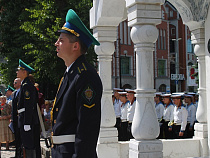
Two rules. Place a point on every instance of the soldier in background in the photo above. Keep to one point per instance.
(131, 109)
(117, 108)
(191, 115)
(180, 117)
(168, 116)
(159, 108)
(123, 135)
(28, 121)
(14, 118)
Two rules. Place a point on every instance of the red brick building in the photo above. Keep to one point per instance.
(173, 55)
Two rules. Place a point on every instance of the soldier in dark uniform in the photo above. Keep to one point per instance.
(28, 121)
(76, 112)
(14, 118)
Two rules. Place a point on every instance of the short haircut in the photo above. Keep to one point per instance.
(73, 38)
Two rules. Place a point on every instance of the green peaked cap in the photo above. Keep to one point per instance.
(75, 26)
(9, 88)
(24, 66)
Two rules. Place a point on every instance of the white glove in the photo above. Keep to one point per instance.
(27, 127)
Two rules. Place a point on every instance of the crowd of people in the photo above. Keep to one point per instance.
(11, 118)
(176, 113)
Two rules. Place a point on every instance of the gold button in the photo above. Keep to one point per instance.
(54, 121)
(56, 109)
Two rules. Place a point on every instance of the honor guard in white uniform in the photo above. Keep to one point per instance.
(117, 108)
(180, 117)
(168, 116)
(159, 108)
(123, 135)
(131, 109)
(191, 116)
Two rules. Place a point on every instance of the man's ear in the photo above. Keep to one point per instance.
(76, 46)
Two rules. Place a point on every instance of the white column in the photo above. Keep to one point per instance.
(143, 16)
(108, 138)
(201, 129)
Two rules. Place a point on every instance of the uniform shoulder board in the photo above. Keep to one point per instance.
(24, 84)
(81, 68)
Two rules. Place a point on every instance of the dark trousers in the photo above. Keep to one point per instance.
(130, 136)
(63, 150)
(168, 134)
(18, 144)
(117, 125)
(189, 133)
(31, 139)
(123, 135)
(161, 132)
(176, 130)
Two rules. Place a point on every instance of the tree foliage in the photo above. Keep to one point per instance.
(29, 31)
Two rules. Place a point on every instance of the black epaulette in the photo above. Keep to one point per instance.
(81, 68)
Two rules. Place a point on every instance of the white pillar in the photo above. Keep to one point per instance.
(143, 16)
(104, 19)
(201, 130)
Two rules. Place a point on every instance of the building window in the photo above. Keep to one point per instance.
(164, 39)
(173, 31)
(129, 37)
(125, 32)
(121, 33)
(172, 46)
(125, 65)
(163, 15)
(161, 38)
(171, 13)
(189, 46)
(161, 68)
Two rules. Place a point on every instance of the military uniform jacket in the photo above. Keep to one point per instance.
(168, 114)
(191, 109)
(77, 110)
(180, 116)
(14, 107)
(28, 97)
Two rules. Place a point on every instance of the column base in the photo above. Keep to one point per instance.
(201, 132)
(145, 148)
(108, 146)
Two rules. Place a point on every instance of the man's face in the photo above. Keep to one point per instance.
(64, 47)
(176, 101)
(17, 83)
(130, 96)
(156, 99)
(8, 93)
(122, 98)
(166, 100)
(20, 73)
(116, 94)
(187, 100)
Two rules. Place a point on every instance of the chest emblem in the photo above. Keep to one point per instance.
(88, 94)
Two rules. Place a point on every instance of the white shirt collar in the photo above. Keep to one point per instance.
(68, 68)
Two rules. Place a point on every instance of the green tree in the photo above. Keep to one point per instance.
(38, 23)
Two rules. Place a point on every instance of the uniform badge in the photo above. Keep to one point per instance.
(88, 94)
(27, 94)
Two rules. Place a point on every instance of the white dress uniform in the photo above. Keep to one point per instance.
(190, 120)
(180, 117)
(131, 110)
(180, 121)
(117, 108)
(124, 111)
(191, 114)
(159, 108)
(168, 114)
